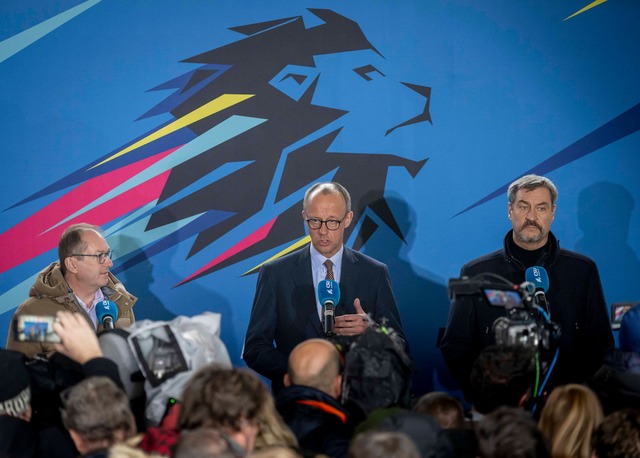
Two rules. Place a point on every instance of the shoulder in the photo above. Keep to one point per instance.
(289, 260)
(576, 258)
(481, 263)
(361, 259)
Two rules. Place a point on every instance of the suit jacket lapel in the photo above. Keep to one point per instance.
(303, 279)
(348, 282)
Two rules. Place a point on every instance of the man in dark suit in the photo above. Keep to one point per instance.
(286, 309)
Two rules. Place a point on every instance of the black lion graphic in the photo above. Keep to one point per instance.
(276, 64)
(290, 104)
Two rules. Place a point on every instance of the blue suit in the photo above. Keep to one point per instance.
(285, 310)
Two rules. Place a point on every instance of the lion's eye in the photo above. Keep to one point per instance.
(368, 72)
(294, 80)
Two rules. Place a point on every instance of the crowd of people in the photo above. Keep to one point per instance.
(342, 390)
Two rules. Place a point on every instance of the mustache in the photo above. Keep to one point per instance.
(531, 223)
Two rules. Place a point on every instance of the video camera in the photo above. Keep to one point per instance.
(524, 323)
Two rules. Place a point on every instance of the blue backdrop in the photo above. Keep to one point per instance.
(189, 131)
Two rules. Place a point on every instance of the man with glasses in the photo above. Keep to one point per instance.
(286, 308)
(77, 282)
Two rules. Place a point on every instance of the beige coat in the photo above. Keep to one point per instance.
(51, 293)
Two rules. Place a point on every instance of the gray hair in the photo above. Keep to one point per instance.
(327, 187)
(531, 182)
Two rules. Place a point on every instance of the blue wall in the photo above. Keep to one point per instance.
(514, 87)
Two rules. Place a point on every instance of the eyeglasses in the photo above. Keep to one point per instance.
(332, 224)
(102, 257)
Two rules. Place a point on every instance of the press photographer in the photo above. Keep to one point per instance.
(30, 423)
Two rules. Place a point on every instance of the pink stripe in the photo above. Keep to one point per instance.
(254, 238)
(26, 239)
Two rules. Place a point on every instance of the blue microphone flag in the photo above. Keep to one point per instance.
(539, 277)
(106, 308)
(329, 290)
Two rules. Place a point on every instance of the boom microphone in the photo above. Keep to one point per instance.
(107, 312)
(329, 295)
(538, 277)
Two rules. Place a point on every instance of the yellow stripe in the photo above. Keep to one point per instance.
(216, 105)
(588, 7)
(287, 250)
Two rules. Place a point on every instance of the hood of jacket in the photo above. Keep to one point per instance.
(52, 284)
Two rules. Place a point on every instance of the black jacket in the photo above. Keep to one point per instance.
(576, 303)
(319, 422)
(617, 382)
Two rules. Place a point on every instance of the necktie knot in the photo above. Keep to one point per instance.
(329, 265)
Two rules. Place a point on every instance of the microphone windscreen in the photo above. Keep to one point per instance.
(539, 277)
(106, 308)
(329, 290)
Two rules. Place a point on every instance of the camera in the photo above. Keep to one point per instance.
(34, 328)
(524, 324)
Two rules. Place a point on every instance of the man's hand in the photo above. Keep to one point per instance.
(352, 325)
(78, 339)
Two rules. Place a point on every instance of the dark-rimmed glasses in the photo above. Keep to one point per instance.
(332, 224)
(101, 257)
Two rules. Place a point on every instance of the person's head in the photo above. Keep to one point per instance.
(446, 409)
(327, 210)
(381, 444)
(15, 385)
(510, 432)
(276, 451)
(229, 399)
(425, 432)
(272, 430)
(531, 209)
(206, 442)
(570, 416)
(618, 436)
(96, 413)
(502, 375)
(315, 363)
(629, 335)
(84, 256)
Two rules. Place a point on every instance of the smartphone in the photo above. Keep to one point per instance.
(618, 309)
(34, 328)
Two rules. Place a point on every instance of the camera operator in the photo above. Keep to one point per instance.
(30, 423)
(575, 297)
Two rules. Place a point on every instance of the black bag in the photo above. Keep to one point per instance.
(377, 370)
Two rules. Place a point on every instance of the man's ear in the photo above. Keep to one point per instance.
(337, 386)
(78, 441)
(71, 264)
(286, 379)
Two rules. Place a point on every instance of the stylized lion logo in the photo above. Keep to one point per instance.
(256, 123)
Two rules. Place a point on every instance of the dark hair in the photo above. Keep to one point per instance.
(501, 376)
(381, 444)
(509, 432)
(220, 397)
(618, 436)
(447, 409)
(71, 241)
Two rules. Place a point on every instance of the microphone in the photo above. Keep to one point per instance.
(329, 294)
(107, 312)
(538, 277)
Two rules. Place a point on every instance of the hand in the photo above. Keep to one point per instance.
(352, 325)
(78, 339)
